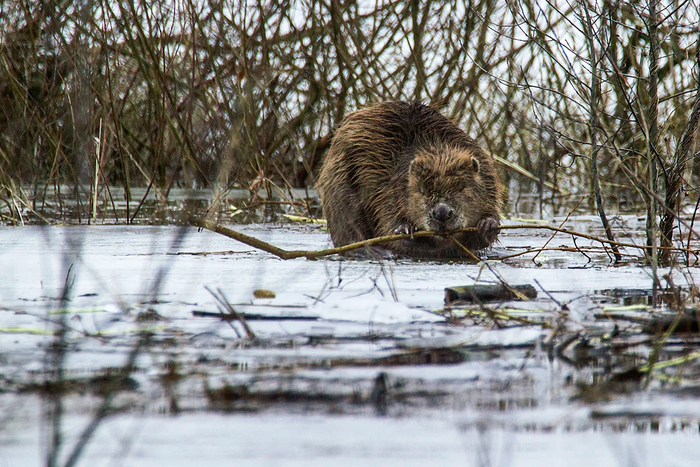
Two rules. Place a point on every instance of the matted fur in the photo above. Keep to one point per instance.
(390, 164)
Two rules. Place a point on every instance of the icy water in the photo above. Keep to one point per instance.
(353, 362)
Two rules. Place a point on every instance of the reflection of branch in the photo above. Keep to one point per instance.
(314, 254)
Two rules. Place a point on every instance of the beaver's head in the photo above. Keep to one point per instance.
(445, 189)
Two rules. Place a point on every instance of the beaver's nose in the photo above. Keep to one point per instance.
(441, 213)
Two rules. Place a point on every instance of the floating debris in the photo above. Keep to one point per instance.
(263, 293)
(489, 293)
(308, 220)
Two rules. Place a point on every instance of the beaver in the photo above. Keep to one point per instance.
(402, 167)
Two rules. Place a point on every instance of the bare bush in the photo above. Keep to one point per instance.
(206, 93)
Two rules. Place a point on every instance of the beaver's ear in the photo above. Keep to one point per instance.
(475, 165)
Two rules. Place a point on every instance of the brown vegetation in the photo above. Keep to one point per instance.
(571, 97)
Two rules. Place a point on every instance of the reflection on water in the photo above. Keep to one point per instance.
(156, 207)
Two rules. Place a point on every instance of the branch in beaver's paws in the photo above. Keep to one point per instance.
(311, 254)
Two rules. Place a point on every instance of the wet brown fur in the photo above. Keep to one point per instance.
(388, 166)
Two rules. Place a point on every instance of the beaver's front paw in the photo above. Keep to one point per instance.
(405, 229)
(488, 228)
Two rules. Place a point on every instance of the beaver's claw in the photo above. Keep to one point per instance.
(405, 229)
(488, 228)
